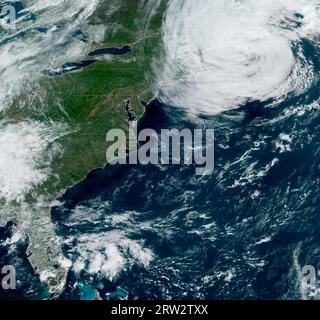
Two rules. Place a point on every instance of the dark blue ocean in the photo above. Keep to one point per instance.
(244, 232)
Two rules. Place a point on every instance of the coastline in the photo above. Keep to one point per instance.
(89, 113)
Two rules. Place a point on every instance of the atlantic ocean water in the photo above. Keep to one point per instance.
(243, 233)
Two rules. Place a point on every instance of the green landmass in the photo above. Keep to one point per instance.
(92, 100)
(89, 102)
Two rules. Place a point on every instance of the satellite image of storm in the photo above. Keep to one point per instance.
(159, 150)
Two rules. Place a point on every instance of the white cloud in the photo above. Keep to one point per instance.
(24, 161)
(222, 53)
